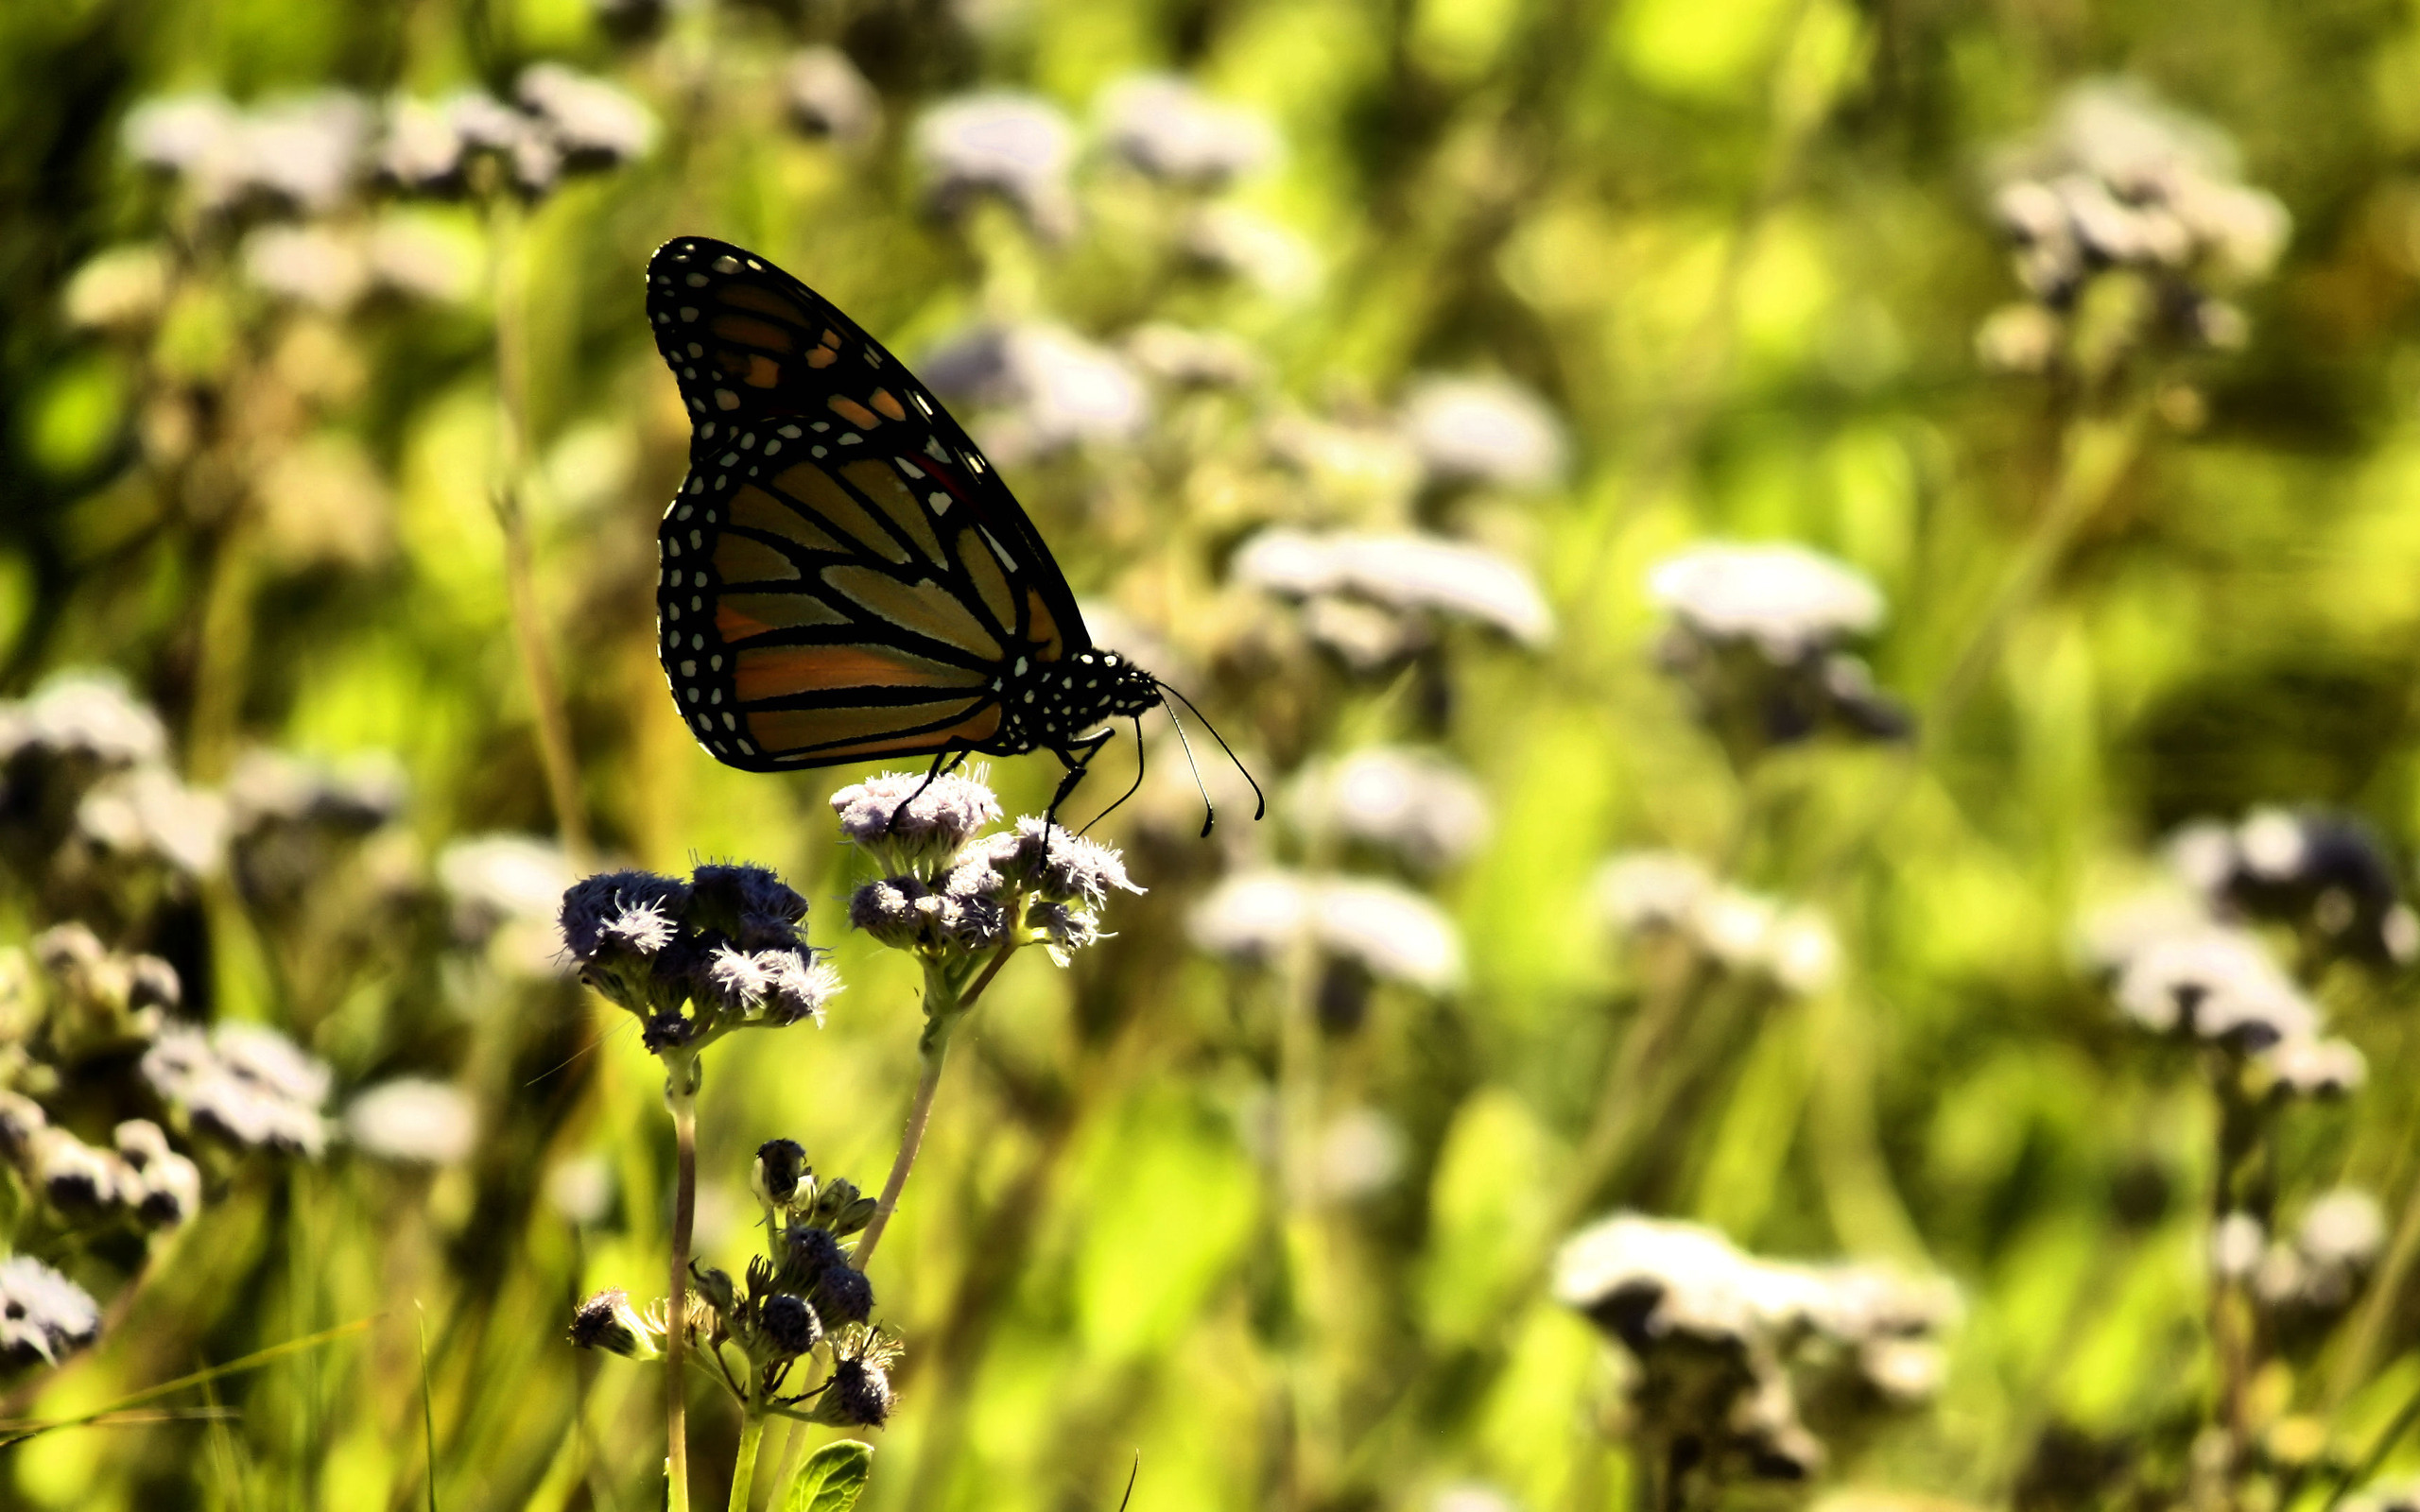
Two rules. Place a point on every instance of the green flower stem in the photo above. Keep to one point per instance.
(681, 1096)
(743, 1470)
(948, 999)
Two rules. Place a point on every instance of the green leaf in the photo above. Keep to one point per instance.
(832, 1479)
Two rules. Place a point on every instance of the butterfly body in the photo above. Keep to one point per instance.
(843, 576)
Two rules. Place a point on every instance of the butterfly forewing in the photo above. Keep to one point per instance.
(844, 576)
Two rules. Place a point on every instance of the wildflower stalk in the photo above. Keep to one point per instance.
(743, 1470)
(681, 1096)
(948, 999)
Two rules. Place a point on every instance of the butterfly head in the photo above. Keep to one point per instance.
(1126, 689)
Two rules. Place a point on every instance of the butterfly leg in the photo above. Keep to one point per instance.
(1078, 755)
(954, 760)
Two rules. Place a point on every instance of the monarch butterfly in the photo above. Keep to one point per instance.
(843, 576)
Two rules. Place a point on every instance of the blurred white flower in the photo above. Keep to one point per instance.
(2215, 983)
(2344, 1228)
(1484, 430)
(123, 286)
(414, 1122)
(421, 259)
(1052, 389)
(2237, 1241)
(147, 811)
(304, 149)
(1231, 240)
(1192, 359)
(243, 1081)
(1403, 573)
(85, 712)
(1011, 144)
(581, 1189)
(1651, 889)
(2114, 933)
(1423, 808)
(423, 145)
(2307, 1066)
(1470, 1496)
(593, 123)
(271, 786)
(1788, 600)
(2116, 177)
(308, 265)
(829, 96)
(507, 890)
(1361, 1153)
(1167, 128)
(1393, 933)
(307, 148)
(1640, 891)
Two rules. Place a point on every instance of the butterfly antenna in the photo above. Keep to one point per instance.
(1141, 761)
(1130, 1481)
(1261, 799)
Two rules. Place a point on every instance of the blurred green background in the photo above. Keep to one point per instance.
(1740, 250)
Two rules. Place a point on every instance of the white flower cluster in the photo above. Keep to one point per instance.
(829, 97)
(1372, 597)
(952, 890)
(2175, 970)
(138, 1177)
(2118, 181)
(1672, 1292)
(1017, 145)
(308, 152)
(1783, 598)
(560, 122)
(1166, 129)
(1642, 892)
(2317, 1270)
(1025, 149)
(304, 151)
(83, 748)
(1045, 387)
(413, 1121)
(2304, 867)
(1484, 430)
(245, 1083)
(1415, 804)
(505, 891)
(1386, 929)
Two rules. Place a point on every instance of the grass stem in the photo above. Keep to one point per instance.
(680, 1094)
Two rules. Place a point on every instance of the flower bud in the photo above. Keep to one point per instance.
(779, 1165)
(844, 1295)
(714, 1287)
(607, 1322)
(834, 1200)
(811, 1252)
(789, 1326)
(857, 1395)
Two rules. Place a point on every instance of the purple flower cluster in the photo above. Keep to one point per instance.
(804, 1296)
(696, 960)
(953, 890)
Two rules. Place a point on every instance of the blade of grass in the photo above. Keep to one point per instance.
(428, 1410)
(18, 1430)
